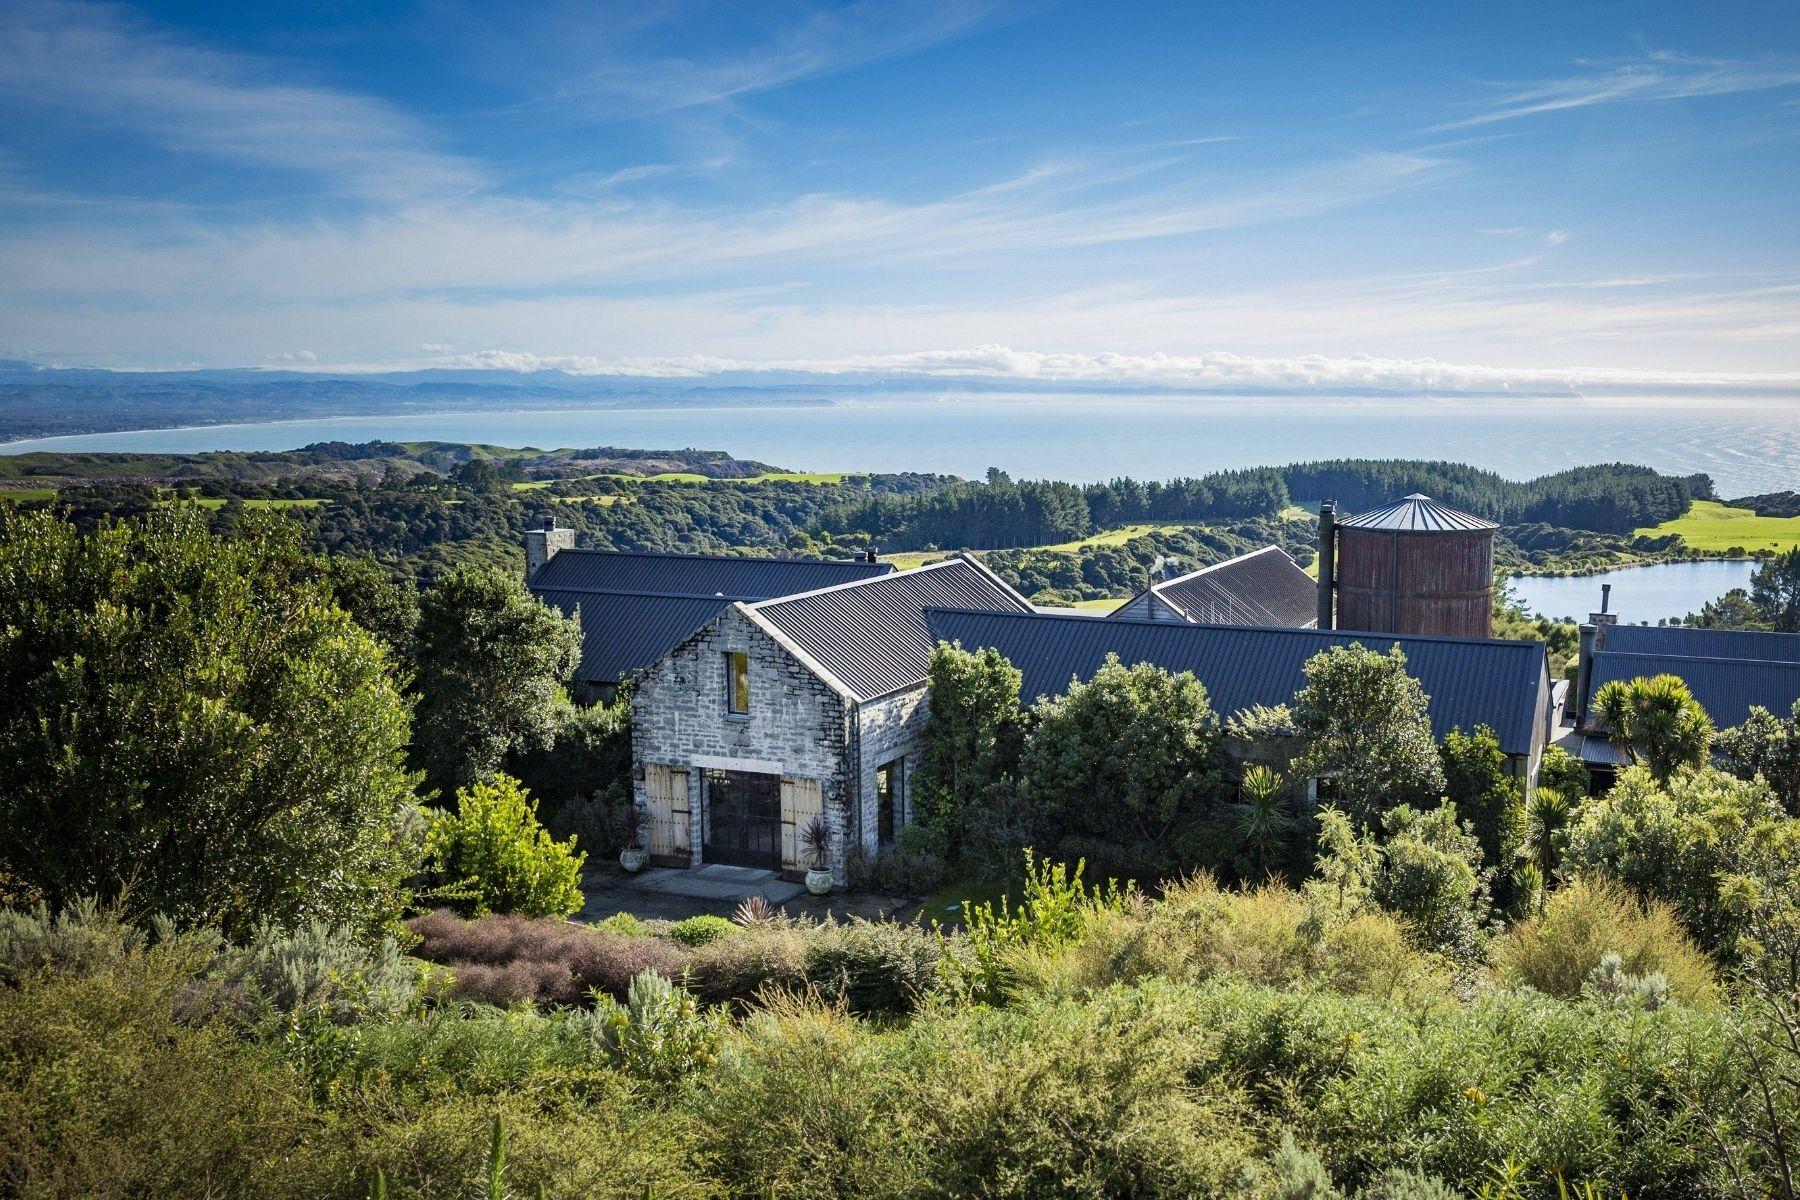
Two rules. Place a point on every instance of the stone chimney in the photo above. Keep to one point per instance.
(1593, 638)
(543, 543)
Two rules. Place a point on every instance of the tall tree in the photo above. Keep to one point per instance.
(1768, 746)
(1775, 590)
(1485, 793)
(491, 664)
(1127, 757)
(1657, 721)
(192, 723)
(1367, 730)
(971, 740)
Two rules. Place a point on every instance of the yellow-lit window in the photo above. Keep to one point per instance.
(737, 682)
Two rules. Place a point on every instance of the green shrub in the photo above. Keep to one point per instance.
(1681, 841)
(1452, 1090)
(871, 967)
(606, 1147)
(1556, 953)
(1196, 931)
(1048, 1100)
(103, 1093)
(494, 856)
(1057, 908)
(321, 967)
(83, 938)
(660, 1033)
(701, 929)
(624, 924)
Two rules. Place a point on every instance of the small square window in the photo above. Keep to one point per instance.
(737, 683)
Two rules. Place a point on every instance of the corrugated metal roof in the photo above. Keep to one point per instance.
(1725, 687)
(622, 632)
(872, 634)
(1263, 587)
(1470, 681)
(1418, 514)
(1704, 643)
(696, 574)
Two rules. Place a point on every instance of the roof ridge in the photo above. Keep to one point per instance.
(1369, 634)
(766, 558)
(1223, 562)
(594, 591)
(855, 583)
(1705, 658)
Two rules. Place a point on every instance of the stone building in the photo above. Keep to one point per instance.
(778, 711)
(635, 607)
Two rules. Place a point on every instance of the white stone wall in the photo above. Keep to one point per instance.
(797, 725)
(888, 728)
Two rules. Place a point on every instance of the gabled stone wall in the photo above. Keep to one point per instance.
(798, 726)
(888, 728)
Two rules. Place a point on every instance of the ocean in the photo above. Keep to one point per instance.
(1746, 448)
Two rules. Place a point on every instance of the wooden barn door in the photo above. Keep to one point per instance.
(666, 823)
(801, 801)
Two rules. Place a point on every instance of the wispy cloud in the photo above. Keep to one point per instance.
(494, 244)
(113, 70)
(790, 47)
(1216, 372)
(1659, 76)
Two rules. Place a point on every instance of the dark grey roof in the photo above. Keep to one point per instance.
(1725, 687)
(622, 632)
(1418, 514)
(1703, 643)
(695, 574)
(1471, 681)
(872, 635)
(1263, 587)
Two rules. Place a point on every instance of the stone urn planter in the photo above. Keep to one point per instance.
(815, 842)
(633, 858)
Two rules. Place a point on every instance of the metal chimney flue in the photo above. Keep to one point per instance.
(1327, 562)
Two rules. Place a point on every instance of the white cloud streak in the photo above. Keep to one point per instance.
(1660, 76)
(515, 246)
(109, 68)
(1215, 372)
(815, 42)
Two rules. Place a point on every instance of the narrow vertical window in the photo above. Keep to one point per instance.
(887, 800)
(737, 682)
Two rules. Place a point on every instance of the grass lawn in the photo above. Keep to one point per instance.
(906, 560)
(1711, 526)
(220, 502)
(1116, 537)
(691, 477)
(20, 495)
(1104, 605)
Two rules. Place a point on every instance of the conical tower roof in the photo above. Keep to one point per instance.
(1418, 514)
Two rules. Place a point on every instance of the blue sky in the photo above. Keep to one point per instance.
(1398, 196)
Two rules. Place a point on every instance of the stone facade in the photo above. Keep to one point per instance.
(887, 729)
(799, 727)
(544, 543)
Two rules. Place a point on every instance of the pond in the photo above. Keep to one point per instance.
(1652, 593)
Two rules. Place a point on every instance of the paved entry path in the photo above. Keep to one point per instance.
(670, 894)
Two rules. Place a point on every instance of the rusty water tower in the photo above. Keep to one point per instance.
(1415, 566)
